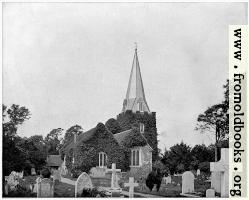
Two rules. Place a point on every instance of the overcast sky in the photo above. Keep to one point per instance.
(69, 63)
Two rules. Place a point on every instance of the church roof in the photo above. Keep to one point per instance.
(54, 160)
(130, 138)
(83, 137)
(135, 96)
(120, 137)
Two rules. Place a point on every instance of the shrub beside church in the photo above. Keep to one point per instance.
(130, 140)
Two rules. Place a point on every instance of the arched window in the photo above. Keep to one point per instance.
(141, 127)
(135, 157)
(102, 159)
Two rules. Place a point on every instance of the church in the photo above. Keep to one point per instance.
(134, 147)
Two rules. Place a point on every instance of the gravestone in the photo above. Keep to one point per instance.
(64, 170)
(131, 186)
(187, 182)
(97, 172)
(168, 180)
(33, 171)
(6, 188)
(56, 175)
(45, 188)
(210, 193)
(113, 170)
(83, 182)
(37, 181)
(198, 173)
(12, 180)
(220, 176)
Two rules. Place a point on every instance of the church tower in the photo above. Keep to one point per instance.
(136, 112)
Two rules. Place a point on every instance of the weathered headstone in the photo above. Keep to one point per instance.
(210, 193)
(83, 182)
(220, 176)
(45, 188)
(6, 188)
(97, 172)
(187, 182)
(64, 170)
(12, 180)
(198, 172)
(33, 171)
(168, 180)
(131, 186)
(114, 183)
(56, 175)
(35, 188)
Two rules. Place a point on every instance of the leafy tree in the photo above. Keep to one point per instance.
(13, 157)
(113, 126)
(216, 119)
(178, 154)
(69, 135)
(52, 141)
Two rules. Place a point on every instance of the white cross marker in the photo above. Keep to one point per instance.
(114, 183)
(131, 186)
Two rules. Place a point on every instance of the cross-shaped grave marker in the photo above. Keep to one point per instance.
(131, 186)
(113, 170)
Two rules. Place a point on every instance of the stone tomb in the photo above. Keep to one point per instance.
(98, 172)
(83, 182)
(45, 188)
(220, 175)
(188, 182)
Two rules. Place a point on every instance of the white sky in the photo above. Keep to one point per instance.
(69, 63)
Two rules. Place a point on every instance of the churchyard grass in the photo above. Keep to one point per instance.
(174, 190)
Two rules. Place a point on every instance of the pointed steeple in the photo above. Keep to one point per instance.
(135, 97)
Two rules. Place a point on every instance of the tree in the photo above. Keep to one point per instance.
(215, 117)
(178, 154)
(13, 157)
(113, 126)
(52, 141)
(13, 117)
(69, 135)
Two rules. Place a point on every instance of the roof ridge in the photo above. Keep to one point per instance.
(123, 131)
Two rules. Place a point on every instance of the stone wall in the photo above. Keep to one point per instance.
(145, 168)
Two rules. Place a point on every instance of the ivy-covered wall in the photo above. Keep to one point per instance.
(87, 152)
(129, 120)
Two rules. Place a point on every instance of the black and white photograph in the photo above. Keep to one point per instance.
(116, 99)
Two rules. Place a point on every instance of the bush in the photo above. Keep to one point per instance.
(76, 171)
(159, 167)
(152, 179)
(204, 167)
(92, 193)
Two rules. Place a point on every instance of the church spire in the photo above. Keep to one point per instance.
(135, 97)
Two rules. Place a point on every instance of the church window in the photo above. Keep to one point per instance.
(141, 127)
(102, 159)
(135, 157)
